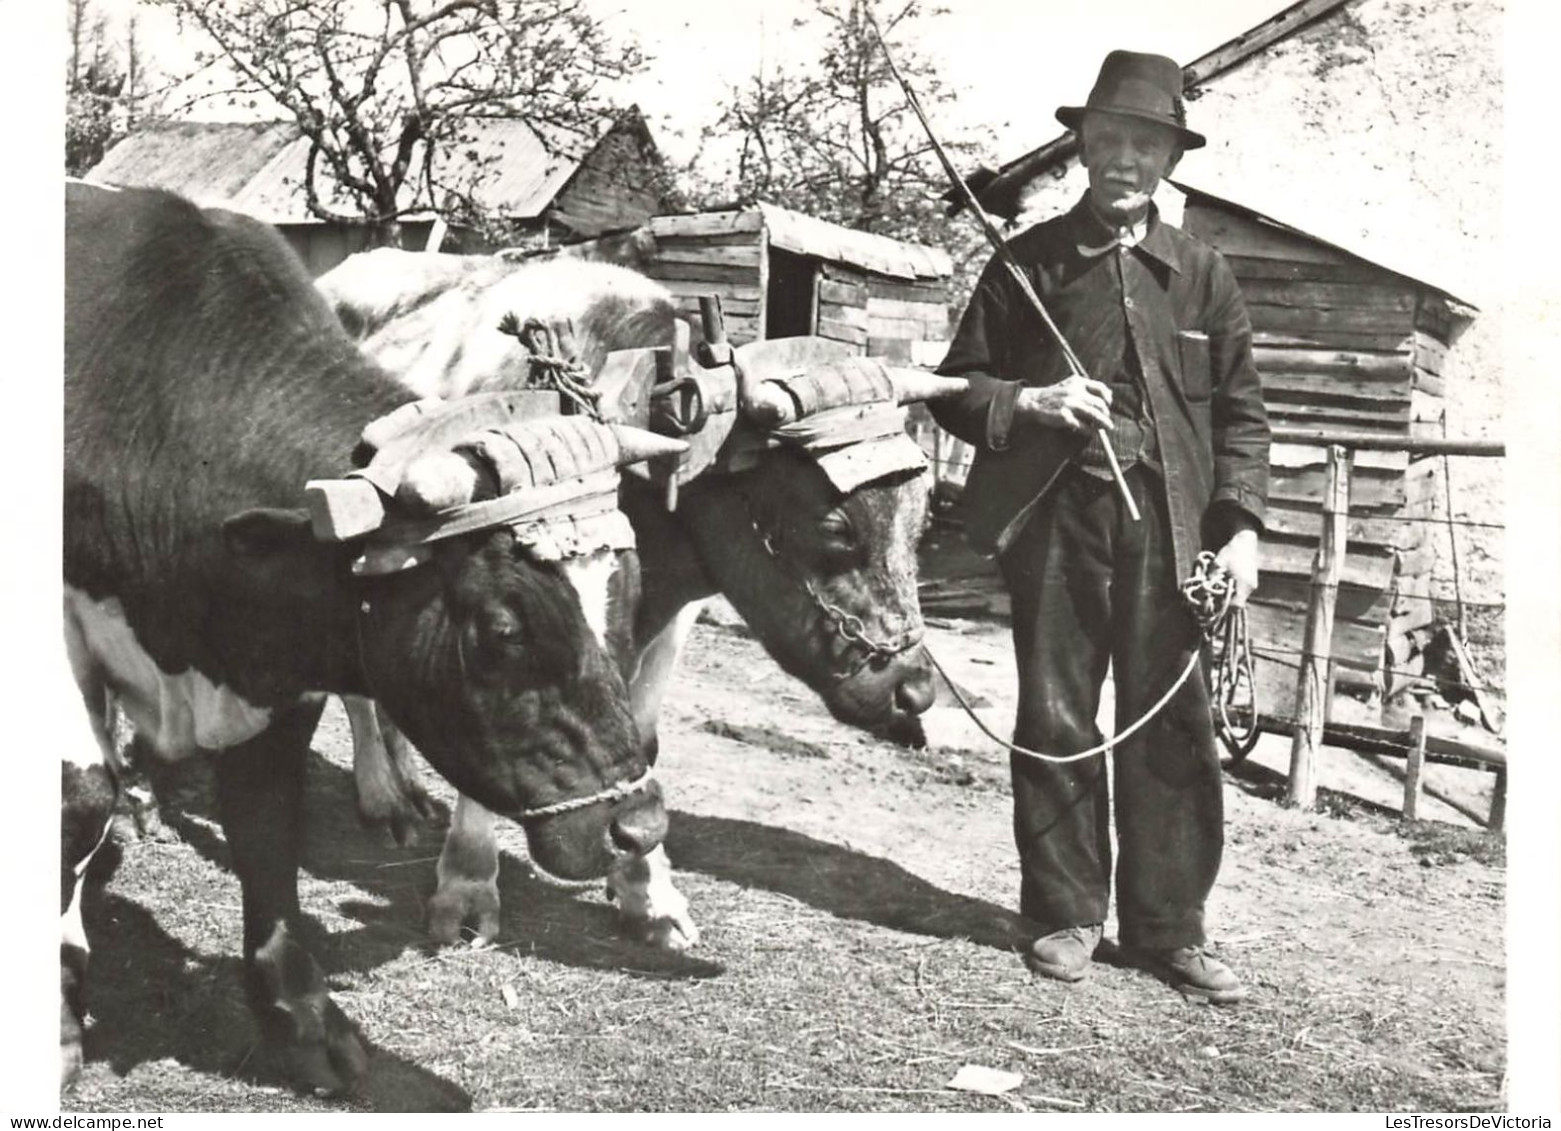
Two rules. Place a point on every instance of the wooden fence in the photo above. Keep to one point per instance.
(1311, 728)
(1310, 725)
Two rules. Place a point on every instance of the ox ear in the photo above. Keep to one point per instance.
(275, 548)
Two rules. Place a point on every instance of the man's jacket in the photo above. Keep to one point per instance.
(1168, 307)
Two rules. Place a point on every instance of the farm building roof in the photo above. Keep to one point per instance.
(259, 167)
(1320, 230)
(999, 191)
(808, 235)
(1324, 120)
(212, 163)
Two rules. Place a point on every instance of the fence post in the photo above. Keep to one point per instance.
(1413, 767)
(1311, 692)
(937, 461)
(1498, 818)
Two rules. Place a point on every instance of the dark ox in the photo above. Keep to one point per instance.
(205, 381)
(778, 540)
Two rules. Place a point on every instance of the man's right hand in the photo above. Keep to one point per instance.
(1078, 404)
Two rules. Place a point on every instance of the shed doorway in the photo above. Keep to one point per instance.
(791, 301)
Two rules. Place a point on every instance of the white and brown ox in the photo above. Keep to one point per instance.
(205, 381)
(817, 551)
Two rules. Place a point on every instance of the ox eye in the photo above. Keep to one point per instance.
(838, 536)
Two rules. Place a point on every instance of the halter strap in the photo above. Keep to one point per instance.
(611, 793)
(848, 626)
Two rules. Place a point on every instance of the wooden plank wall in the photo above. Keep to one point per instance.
(720, 253)
(614, 188)
(842, 305)
(902, 312)
(1343, 345)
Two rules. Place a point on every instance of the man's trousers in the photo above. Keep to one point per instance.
(1090, 586)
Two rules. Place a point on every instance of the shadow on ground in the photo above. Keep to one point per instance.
(539, 920)
(841, 881)
(152, 998)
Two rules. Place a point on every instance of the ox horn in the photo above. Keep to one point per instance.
(770, 405)
(636, 444)
(440, 480)
(911, 385)
(437, 481)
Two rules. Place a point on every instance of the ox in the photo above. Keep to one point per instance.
(205, 379)
(825, 577)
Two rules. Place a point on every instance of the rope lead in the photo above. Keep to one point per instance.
(1209, 592)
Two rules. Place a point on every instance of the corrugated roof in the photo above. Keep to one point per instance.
(808, 235)
(258, 168)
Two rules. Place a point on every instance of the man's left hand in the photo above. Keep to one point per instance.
(1239, 557)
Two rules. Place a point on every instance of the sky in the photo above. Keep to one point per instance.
(1013, 63)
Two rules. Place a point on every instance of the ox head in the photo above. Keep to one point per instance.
(815, 541)
(495, 590)
(821, 571)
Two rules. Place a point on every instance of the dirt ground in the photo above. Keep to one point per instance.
(856, 899)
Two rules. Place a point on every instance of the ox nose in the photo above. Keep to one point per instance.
(915, 691)
(640, 822)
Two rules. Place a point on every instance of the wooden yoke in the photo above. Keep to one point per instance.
(692, 402)
(343, 509)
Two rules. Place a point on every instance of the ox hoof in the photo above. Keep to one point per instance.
(404, 817)
(666, 925)
(651, 907)
(334, 1066)
(668, 933)
(464, 907)
(71, 1056)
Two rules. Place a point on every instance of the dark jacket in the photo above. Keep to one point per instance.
(1172, 302)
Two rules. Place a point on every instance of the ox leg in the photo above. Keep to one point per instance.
(468, 872)
(389, 792)
(88, 794)
(650, 903)
(260, 798)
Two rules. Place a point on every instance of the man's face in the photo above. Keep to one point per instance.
(1126, 158)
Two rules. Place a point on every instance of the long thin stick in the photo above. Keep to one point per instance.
(1004, 255)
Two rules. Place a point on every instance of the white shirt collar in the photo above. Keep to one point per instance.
(1131, 235)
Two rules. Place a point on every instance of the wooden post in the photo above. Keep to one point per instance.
(937, 460)
(1311, 707)
(1413, 767)
(436, 234)
(1498, 817)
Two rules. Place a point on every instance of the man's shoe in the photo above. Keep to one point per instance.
(1194, 972)
(1064, 955)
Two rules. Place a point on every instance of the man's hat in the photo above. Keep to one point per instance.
(1140, 86)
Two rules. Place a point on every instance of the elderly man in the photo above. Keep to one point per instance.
(1160, 328)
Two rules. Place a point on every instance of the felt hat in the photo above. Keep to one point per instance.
(1139, 86)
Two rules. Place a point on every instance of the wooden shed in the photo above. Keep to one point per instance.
(546, 185)
(781, 273)
(1342, 344)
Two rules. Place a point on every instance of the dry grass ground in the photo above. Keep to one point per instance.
(858, 949)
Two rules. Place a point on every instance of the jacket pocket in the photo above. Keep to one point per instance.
(1192, 347)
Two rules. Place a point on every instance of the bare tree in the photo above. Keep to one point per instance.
(832, 135)
(105, 87)
(390, 92)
